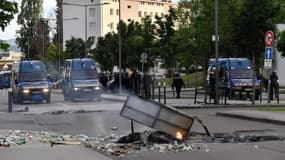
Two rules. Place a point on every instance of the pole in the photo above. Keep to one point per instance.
(158, 91)
(217, 52)
(43, 36)
(253, 79)
(120, 50)
(164, 92)
(85, 31)
(10, 101)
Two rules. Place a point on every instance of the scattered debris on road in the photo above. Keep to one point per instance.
(116, 145)
(58, 112)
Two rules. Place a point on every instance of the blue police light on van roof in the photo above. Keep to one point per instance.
(19, 84)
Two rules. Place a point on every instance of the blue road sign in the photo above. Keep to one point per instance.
(268, 52)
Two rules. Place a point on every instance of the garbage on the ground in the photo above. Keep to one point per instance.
(156, 141)
(58, 112)
(60, 139)
(16, 137)
(246, 136)
(148, 140)
(25, 109)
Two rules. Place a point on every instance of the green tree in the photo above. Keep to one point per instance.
(281, 43)
(254, 18)
(106, 51)
(75, 48)
(7, 11)
(29, 21)
(51, 60)
(165, 32)
(187, 37)
(41, 41)
(147, 34)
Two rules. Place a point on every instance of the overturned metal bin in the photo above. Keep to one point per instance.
(157, 116)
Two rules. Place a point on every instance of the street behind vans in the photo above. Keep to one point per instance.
(29, 82)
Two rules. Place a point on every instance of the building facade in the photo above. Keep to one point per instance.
(93, 19)
(280, 61)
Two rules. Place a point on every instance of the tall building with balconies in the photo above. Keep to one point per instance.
(95, 18)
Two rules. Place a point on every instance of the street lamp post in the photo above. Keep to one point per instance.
(85, 7)
(120, 50)
(217, 51)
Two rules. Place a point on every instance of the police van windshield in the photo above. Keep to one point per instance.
(32, 71)
(243, 64)
(241, 69)
(83, 69)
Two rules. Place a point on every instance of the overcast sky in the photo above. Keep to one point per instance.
(10, 31)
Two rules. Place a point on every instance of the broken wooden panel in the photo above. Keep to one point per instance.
(157, 116)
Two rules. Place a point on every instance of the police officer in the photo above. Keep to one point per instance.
(178, 84)
(274, 84)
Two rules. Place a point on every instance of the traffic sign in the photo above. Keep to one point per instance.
(267, 63)
(143, 56)
(269, 39)
(268, 52)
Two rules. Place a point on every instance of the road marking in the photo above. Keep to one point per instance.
(62, 104)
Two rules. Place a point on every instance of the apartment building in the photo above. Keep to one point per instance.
(95, 18)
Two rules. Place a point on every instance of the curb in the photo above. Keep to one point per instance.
(245, 117)
(227, 106)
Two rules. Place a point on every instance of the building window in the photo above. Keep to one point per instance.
(117, 12)
(161, 14)
(140, 14)
(111, 12)
(145, 14)
(92, 12)
(129, 6)
(156, 14)
(111, 25)
(92, 26)
(129, 20)
(150, 14)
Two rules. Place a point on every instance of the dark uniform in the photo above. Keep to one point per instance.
(178, 84)
(274, 85)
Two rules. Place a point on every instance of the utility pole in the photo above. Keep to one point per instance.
(217, 51)
(120, 50)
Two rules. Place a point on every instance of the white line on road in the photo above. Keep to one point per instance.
(63, 104)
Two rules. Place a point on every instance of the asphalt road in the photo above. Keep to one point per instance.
(99, 122)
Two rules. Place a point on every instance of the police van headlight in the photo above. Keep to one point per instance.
(26, 91)
(97, 88)
(45, 90)
(75, 88)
